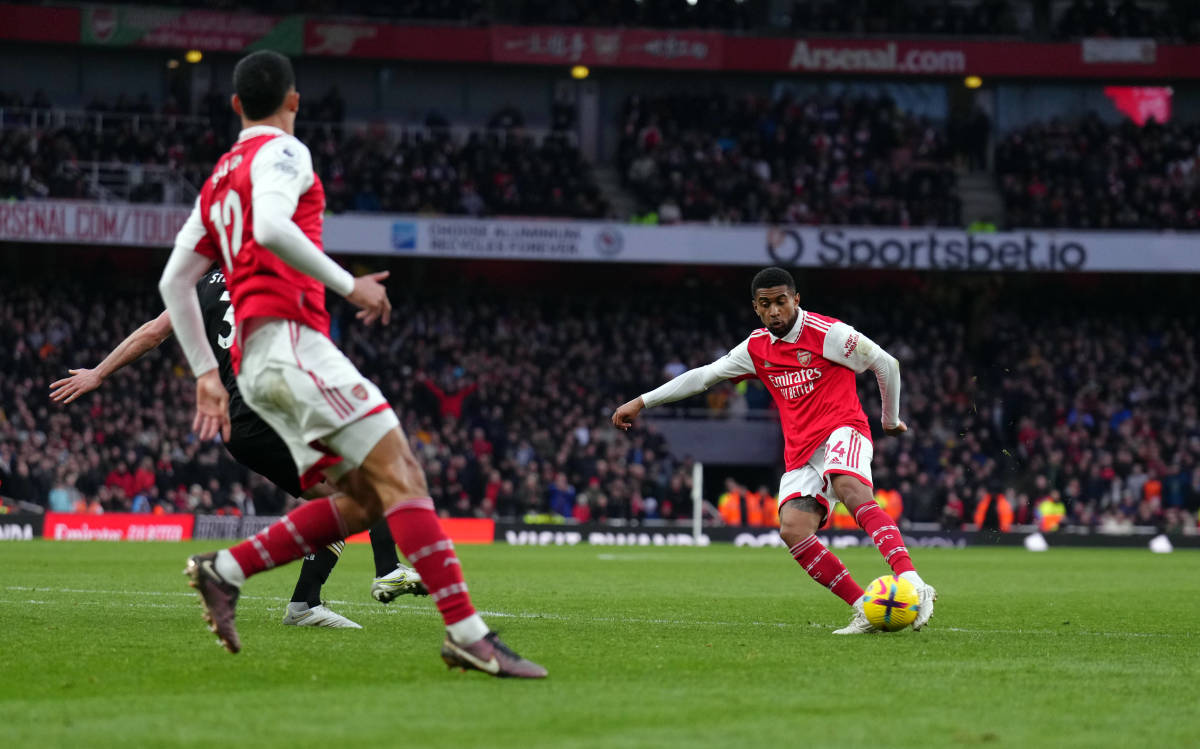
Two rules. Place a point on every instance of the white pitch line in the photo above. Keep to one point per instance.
(395, 608)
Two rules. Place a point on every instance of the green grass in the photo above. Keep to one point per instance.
(647, 647)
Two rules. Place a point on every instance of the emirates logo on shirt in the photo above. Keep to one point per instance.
(795, 383)
(804, 357)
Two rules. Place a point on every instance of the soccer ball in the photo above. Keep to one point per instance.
(890, 603)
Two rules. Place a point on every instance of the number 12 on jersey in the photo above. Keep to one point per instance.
(226, 218)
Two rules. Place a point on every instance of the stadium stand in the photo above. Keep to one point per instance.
(431, 171)
(1093, 175)
(1178, 20)
(1173, 19)
(750, 159)
(503, 170)
(858, 161)
(506, 391)
(1086, 403)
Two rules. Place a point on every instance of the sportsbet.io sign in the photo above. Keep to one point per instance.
(792, 246)
(934, 250)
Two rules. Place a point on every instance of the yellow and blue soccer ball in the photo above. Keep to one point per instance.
(890, 603)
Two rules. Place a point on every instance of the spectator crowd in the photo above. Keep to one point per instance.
(1173, 20)
(502, 170)
(1089, 174)
(820, 160)
(712, 158)
(492, 172)
(1064, 408)
(1164, 19)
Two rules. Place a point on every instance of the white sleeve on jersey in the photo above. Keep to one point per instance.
(846, 346)
(734, 364)
(280, 173)
(284, 166)
(184, 268)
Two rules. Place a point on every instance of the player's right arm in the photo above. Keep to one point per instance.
(135, 345)
(737, 363)
(280, 173)
(190, 259)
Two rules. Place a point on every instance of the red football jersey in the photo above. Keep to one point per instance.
(815, 394)
(264, 159)
(810, 372)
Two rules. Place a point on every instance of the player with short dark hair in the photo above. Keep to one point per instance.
(768, 278)
(808, 363)
(260, 215)
(262, 81)
(254, 444)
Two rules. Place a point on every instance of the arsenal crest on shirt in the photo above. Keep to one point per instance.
(360, 392)
(804, 357)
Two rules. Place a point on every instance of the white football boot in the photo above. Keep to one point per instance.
(400, 581)
(858, 623)
(926, 595)
(302, 615)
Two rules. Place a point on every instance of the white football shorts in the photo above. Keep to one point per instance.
(846, 451)
(327, 413)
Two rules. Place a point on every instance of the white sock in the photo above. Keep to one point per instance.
(469, 631)
(298, 607)
(913, 578)
(228, 568)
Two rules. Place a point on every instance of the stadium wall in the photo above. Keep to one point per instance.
(85, 223)
(742, 442)
(182, 527)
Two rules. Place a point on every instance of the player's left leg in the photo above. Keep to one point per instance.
(856, 494)
(254, 444)
(306, 608)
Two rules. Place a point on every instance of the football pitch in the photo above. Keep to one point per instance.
(103, 646)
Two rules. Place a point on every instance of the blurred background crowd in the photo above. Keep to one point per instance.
(1039, 412)
(712, 158)
(1056, 19)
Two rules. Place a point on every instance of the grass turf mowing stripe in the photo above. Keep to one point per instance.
(704, 647)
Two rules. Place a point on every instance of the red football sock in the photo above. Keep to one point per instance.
(883, 531)
(305, 530)
(419, 534)
(826, 569)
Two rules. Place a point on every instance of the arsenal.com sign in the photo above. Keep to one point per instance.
(79, 222)
(882, 58)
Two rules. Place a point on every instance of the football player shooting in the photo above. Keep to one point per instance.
(260, 215)
(254, 444)
(808, 363)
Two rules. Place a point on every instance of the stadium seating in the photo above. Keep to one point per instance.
(819, 160)
(502, 170)
(1178, 20)
(432, 171)
(1094, 175)
(507, 391)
